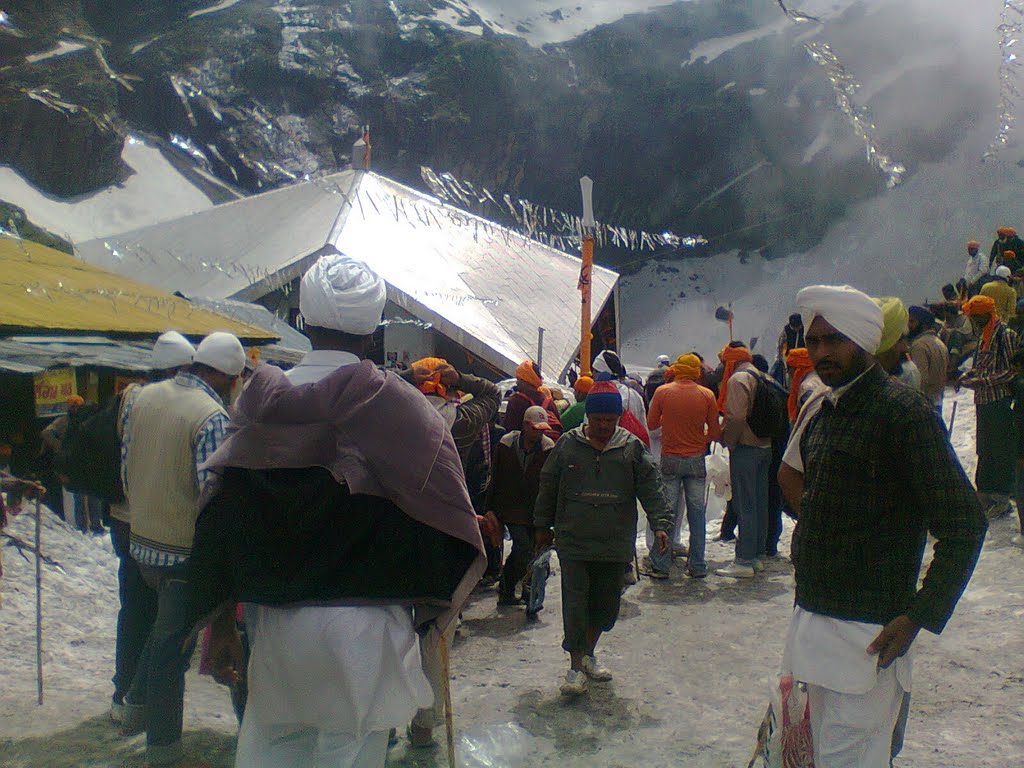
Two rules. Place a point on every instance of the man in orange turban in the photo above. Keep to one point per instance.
(750, 459)
(991, 378)
(528, 392)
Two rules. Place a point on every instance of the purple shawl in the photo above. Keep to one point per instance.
(371, 431)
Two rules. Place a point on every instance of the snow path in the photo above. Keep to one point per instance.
(693, 660)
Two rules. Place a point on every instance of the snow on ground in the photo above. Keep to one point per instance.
(693, 662)
(155, 192)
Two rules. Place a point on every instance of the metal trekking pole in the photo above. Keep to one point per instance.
(39, 599)
(952, 418)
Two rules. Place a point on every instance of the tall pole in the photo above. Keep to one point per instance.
(586, 272)
(39, 599)
(540, 348)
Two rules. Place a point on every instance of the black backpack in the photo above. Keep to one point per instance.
(90, 453)
(769, 416)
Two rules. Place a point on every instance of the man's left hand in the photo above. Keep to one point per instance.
(663, 542)
(894, 640)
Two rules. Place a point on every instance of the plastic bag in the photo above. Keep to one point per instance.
(718, 475)
(784, 739)
(540, 570)
(494, 746)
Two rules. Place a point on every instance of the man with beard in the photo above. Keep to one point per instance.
(877, 476)
(928, 353)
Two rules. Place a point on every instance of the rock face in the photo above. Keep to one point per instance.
(666, 119)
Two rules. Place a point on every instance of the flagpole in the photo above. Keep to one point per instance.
(586, 272)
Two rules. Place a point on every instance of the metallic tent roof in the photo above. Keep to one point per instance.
(484, 286)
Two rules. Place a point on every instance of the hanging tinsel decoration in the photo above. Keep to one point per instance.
(1011, 31)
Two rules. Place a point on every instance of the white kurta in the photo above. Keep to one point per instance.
(344, 671)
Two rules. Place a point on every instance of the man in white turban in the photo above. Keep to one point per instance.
(358, 527)
(870, 473)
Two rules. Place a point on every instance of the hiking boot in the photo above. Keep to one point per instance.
(593, 670)
(737, 571)
(133, 719)
(575, 683)
(696, 573)
(421, 737)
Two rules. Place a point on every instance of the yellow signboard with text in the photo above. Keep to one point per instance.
(52, 389)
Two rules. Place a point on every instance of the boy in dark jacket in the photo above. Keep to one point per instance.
(588, 492)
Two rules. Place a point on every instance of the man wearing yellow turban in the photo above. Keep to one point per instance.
(893, 348)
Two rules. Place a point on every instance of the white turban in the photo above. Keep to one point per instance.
(171, 350)
(851, 312)
(342, 294)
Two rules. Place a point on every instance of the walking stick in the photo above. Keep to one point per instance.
(952, 418)
(449, 719)
(39, 601)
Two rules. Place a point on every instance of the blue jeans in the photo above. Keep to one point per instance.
(136, 616)
(159, 682)
(684, 478)
(748, 470)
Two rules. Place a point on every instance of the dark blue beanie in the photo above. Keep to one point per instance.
(604, 397)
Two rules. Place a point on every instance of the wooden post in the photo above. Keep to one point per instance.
(39, 599)
(586, 273)
(449, 717)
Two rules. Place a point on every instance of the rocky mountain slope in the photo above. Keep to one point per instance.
(702, 117)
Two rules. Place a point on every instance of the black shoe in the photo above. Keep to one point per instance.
(723, 537)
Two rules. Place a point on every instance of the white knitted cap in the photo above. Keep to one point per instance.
(172, 350)
(223, 352)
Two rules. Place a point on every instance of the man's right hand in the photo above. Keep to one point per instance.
(420, 374)
(544, 538)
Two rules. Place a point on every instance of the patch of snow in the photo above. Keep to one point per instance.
(757, 91)
(62, 48)
(223, 5)
(155, 192)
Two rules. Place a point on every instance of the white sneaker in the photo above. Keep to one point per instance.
(737, 571)
(595, 671)
(1017, 541)
(575, 683)
(759, 566)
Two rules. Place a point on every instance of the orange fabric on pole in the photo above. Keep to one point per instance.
(586, 270)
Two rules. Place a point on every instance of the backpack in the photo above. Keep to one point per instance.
(90, 453)
(769, 415)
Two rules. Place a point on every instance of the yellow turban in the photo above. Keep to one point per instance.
(894, 322)
(685, 367)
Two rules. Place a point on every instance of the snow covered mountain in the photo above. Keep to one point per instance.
(702, 117)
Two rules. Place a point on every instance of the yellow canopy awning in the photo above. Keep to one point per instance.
(45, 290)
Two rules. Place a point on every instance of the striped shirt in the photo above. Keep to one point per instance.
(207, 441)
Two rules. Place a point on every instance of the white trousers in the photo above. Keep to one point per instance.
(296, 746)
(855, 730)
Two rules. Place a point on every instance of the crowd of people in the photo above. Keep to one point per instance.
(327, 563)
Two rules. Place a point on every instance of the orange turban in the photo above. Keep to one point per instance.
(1009, 255)
(583, 385)
(433, 385)
(983, 305)
(1006, 232)
(525, 372)
(732, 357)
(685, 367)
(75, 400)
(800, 361)
(973, 244)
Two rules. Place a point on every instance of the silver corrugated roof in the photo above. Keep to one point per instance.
(482, 285)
